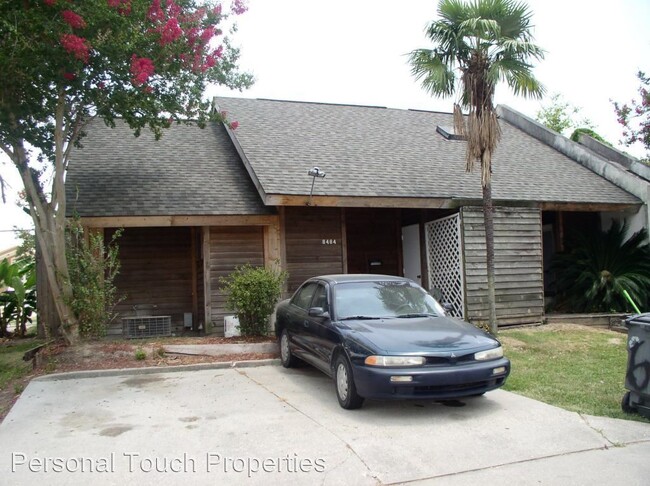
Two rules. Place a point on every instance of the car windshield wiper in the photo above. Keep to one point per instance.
(420, 314)
(352, 318)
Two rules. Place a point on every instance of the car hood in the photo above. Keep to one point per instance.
(429, 336)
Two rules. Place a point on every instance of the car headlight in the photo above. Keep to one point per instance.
(395, 360)
(494, 353)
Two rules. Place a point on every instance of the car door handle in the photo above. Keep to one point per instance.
(305, 323)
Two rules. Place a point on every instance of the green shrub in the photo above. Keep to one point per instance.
(140, 354)
(93, 266)
(252, 295)
(601, 266)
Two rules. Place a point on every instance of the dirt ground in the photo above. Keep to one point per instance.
(101, 355)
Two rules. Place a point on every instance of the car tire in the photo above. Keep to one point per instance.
(626, 404)
(287, 359)
(346, 390)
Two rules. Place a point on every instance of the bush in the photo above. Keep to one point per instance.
(140, 354)
(600, 267)
(93, 267)
(252, 295)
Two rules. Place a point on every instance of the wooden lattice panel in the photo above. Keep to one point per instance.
(445, 261)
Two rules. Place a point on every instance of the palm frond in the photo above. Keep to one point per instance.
(518, 75)
(434, 74)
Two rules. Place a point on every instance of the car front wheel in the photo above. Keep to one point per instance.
(287, 359)
(346, 391)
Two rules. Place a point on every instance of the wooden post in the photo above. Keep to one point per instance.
(207, 287)
(344, 241)
(272, 246)
(195, 284)
(400, 249)
(424, 267)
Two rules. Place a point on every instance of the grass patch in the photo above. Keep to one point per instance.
(572, 367)
(12, 366)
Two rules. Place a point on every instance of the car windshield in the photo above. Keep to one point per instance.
(383, 299)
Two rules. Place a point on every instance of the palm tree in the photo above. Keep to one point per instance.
(476, 45)
(601, 267)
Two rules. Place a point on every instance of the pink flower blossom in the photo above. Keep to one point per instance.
(234, 125)
(210, 61)
(70, 76)
(155, 13)
(74, 20)
(142, 69)
(173, 10)
(170, 32)
(207, 34)
(217, 10)
(49, 3)
(239, 7)
(123, 6)
(77, 46)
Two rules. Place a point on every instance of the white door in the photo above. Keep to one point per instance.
(411, 252)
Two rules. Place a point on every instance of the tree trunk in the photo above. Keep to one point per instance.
(488, 219)
(49, 226)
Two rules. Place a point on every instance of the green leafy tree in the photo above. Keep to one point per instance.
(600, 266)
(560, 115)
(478, 44)
(635, 117)
(65, 62)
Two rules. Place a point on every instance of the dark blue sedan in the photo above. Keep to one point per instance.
(385, 337)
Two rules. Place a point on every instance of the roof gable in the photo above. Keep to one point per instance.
(189, 171)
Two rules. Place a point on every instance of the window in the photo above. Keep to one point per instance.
(304, 295)
(320, 298)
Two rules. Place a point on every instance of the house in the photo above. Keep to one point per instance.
(395, 199)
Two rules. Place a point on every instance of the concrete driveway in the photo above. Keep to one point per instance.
(268, 425)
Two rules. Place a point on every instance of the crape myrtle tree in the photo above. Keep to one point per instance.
(635, 117)
(65, 62)
(476, 45)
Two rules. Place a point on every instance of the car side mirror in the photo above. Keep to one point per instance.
(318, 312)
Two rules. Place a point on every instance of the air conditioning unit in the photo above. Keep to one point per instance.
(144, 327)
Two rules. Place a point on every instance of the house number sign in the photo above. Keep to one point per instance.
(328, 242)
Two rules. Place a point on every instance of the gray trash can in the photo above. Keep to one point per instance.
(637, 377)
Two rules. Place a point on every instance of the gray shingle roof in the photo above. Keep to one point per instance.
(189, 171)
(369, 151)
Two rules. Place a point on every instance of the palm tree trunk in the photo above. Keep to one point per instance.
(488, 219)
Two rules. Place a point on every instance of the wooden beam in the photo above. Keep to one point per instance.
(588, 207)
(149, 221)
(207, 290)
(344, 242)
(360, 202)
(433, 203)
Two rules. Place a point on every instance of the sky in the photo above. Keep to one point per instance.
(355, 52)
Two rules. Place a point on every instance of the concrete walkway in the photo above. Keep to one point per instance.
(267, 425)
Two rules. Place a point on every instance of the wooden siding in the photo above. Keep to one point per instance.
(518, 265)
(313, 243)
(230, 247)
(155, 270)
